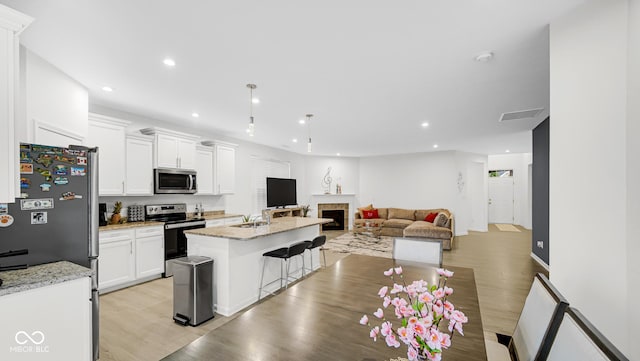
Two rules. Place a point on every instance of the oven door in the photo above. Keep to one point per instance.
(175, 181)
(175, 242)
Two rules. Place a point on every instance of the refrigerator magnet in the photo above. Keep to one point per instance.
(45, 173)
(60, 170)
(24, 195)
(81, 160)
(67, 196)
(61, 181)
(26, 168)
(6, 220)
(4, 208)
(25, 183)
(74, 152)
(65, 159)
(45, 160)
(45, 187)
(33, 204)
(38, 217)
(77, 171)
(25, 156)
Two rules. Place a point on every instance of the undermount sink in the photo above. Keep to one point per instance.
(250, 225)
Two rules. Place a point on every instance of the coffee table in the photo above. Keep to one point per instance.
(370, 229)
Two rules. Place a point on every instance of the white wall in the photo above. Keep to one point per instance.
(633, 179)
(520, 165)
(344, 170)
(422, 180)
(49, 96)
(588, 163)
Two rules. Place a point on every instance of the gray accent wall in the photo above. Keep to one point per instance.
(540, 190)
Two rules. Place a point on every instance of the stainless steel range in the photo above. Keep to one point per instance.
(176, 222)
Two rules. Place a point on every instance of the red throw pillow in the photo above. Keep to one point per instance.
(370, 214)
(430, 217)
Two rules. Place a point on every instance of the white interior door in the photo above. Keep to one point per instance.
(501, 200)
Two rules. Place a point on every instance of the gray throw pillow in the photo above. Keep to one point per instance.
(441, 220)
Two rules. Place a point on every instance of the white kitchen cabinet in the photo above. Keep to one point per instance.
(57, 317)
(204, 170)
(224, 169)
(173, 149)
(139, 166)
(116, 263)
(108, 134)
(149, 251)
(11, 24)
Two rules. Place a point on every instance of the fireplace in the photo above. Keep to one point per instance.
(338, 220)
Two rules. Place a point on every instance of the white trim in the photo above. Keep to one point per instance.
(93, 117)
(540, 261)
(38, 124)
(155, 131)
(215, 142)
(14, 20)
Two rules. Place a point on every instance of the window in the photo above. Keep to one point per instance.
(501, 173)
(263, 168)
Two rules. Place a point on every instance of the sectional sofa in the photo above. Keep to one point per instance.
(411, 223)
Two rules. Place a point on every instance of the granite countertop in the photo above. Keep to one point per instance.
(278, 225)
(112, 227)
(218, 215)
(41, 276)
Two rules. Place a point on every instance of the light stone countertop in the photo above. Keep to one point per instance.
(41, 276)
(126, 225)
(213, 215)
(278, 225)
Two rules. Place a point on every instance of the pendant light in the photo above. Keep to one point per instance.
(309, 132)
(251, 125)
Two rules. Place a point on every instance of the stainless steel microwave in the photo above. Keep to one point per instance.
(175, 181)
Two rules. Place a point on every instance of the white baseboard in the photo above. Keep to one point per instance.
(540, 261)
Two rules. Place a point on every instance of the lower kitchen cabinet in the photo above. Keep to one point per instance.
(130, 256)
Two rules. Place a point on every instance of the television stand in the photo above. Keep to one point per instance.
(285, 212)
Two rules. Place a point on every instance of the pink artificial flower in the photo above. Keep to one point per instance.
(397, 301)
(425, 297)
(433, 339)
(405, 335)
(396, 288)
(379, 313)
(436, 356)
(458, 316)
(420, 330)
(386, 329)
(445, 340)
(448, 290)
(457, 325)
(392, 341)
(398, 270)
(427, 320)
(389, 272)
(383, 291)
(386, 302)
(448, 308)
(444, 272)
(438, 308)
(439, 293)
(412, 321)
(364, 320)
(411, 291)
(374, 333)
(412, 354)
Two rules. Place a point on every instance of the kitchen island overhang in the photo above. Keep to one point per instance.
(238, 261)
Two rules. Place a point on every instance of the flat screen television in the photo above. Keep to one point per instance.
(281, 192)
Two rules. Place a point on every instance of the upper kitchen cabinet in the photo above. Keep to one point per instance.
(224, 167)
(108, 134)
(139, 166)
(204, 170)
(173, 149)
(11, 24)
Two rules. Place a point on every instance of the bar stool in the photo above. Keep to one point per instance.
(319, 241)
(284, 254)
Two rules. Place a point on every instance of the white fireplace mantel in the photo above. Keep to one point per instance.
(348, 198)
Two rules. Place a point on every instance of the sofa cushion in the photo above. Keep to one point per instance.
(370, 214)
(399, 213)
(422, 213)
(426, 230)
(441, 220)
(396, 223)
(369, 207)
(430, 217)
(374, 221)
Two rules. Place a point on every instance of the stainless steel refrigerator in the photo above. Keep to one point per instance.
(56, 217)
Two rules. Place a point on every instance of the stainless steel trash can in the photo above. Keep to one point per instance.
(192, 290)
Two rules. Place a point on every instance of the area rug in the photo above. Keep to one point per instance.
(361, 244)
(507, 227)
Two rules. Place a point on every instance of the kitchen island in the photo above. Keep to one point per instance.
(237, 257)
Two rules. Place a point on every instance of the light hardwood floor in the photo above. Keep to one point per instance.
(136, 322)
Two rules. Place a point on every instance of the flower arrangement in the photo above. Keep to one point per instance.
(419, 314)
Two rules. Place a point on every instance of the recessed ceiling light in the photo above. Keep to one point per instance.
(247, 130)
(338, 154)
(195, 115)
(425, 124)
(507, 151)
(294, 140)
(169, 62)
(435, 146)
(255, 100)
(108, 89)
(484, 57)
(301, 121)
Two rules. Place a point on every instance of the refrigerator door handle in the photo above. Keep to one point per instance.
(93, 203)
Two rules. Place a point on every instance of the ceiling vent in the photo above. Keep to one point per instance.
(522, 114)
